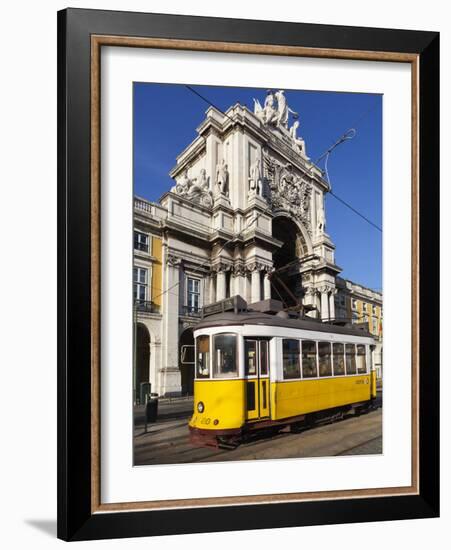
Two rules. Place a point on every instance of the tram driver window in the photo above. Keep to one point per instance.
(224, 358)
(291, 366)
(324, 359)
(350, 359)
(339, 359)
(203, 357)
(361, 359)
(309, 359)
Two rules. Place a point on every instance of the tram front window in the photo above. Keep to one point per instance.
(224, 358)
(203, 357)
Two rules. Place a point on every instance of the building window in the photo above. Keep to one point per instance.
(374, 323)
(291, 366)
(354, 303)
(141, 241)
(193, 295)
(374, 310)
(140, 278)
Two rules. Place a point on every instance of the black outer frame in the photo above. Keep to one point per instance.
(75, 520)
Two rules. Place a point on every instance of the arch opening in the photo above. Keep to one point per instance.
(142, 364)
(286, 281)
(186, 361)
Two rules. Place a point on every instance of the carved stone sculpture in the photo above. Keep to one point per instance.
(282, 109)
(298, 143)
(287, 190)
(222, 178)
(320, 220)
(195, 189)
(255, 179)
(269, 113)
(184, 184)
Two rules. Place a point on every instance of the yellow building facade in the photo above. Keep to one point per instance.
(147, 301)
(358, 304)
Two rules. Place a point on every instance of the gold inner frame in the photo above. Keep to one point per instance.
(97, 41)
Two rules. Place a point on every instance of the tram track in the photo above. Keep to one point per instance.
(352, 435)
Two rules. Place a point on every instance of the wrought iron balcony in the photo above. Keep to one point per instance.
(190, 311)
(146, 307)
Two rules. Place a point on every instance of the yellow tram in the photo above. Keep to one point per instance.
(255, 370)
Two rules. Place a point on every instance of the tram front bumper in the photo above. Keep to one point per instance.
(212, 438)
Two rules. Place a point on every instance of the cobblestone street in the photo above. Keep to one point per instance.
(167, 442)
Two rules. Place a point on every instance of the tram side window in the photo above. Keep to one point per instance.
(309, 359)
(339, 359)
(203, 357)
(291, 365)
(224, 358)
(350, 359)
(361, 359)
(324, 359)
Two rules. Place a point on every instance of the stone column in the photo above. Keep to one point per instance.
(240, 283)
(155, 362)
(255, 285)
(332, 303)
(232, 284)
(170, 379)
(266, 287)
(220, 285)
(324, 303)
(310, 300)
(211, 289)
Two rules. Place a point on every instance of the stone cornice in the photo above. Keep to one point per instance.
(180, 230)
(186, 156)
(147, 224)
(137, 255)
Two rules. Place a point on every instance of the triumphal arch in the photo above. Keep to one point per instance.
(245, 215)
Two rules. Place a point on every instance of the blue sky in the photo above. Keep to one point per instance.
(165, 120)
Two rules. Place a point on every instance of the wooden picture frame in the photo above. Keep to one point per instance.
(81, 35)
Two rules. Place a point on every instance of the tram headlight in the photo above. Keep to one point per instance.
(200, 407)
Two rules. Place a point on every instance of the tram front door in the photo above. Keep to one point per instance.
(256, 364)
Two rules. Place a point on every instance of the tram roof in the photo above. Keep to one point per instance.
(229, 318)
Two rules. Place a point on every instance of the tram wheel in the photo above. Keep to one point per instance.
(227, 442)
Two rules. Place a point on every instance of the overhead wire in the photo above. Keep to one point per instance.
(349, 134)
(346, 136)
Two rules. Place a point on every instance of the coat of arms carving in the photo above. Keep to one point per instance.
(286, 190)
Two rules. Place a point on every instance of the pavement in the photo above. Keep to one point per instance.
(167, 440)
